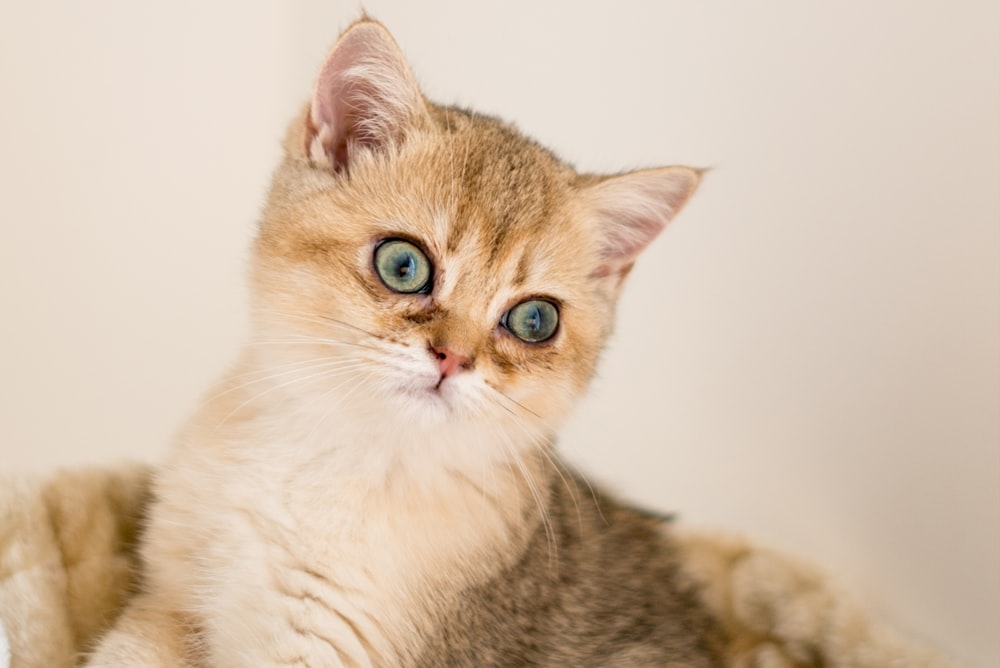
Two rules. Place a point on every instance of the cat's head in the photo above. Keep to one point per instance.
(434, 264)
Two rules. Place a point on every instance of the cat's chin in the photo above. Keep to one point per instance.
(435, 400)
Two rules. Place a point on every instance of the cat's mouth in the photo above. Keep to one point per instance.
(428, 387)
(431, 389)
(438, 392)
(443, 390)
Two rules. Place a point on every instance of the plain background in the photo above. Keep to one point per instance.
(810, 355)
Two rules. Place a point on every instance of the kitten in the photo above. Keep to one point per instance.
(374, 484)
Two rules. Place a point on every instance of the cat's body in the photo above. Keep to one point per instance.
(427, 578)
(374, 483)
(605, 589)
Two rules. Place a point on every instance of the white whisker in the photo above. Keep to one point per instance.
(265, 375)
(292, 365)
(329, 411)
(280, 316)
(536, 494)
(348, 366)
(547, 449)
(304, 340)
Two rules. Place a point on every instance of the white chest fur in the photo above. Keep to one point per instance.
(306, 561)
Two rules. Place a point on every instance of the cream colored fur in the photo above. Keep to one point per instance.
(243, 508)
(4, 647)
(67, 566)
(339, 494)
(67, 560)
(327, 511)
(783, 613)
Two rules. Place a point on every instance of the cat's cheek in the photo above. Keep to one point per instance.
(552, 400)
(543, 385)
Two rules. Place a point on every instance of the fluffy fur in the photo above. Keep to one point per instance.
(68, 560)
(341, 499)
(68, 565)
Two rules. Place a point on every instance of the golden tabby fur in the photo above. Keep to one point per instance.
(68, 564)
(374, 483)
(337, 497)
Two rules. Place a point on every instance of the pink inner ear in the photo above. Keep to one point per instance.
(365, 96)
(633, 209)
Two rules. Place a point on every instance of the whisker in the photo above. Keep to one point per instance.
(270, 376)
(284, 365)
(329, 411)
(310, 341)
(319, 319)
(555, 462)
(578, 475)
(536, 495)
(343, 369)
(519, 404)
(546, 449)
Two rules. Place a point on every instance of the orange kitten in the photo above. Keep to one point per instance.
(374, 483)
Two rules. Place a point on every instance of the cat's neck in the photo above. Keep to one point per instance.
(304, 439)
(401, 515)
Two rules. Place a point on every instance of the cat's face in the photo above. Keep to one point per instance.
(432, 264)
(468, 244)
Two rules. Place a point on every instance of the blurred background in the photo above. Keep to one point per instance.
(810, 355)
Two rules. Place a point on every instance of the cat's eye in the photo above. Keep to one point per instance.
(532, 321)
(402, 266)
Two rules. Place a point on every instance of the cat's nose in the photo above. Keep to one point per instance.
(449, 361)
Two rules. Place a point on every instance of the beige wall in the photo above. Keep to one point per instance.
(811, 355)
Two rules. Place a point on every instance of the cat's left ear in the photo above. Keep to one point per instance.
(366, 97)
(630, 210)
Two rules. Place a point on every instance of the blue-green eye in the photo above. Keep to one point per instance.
(532, 321)
(402, 266)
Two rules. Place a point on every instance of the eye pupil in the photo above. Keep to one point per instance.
(402, 266)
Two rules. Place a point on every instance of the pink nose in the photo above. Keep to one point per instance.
(449, 361)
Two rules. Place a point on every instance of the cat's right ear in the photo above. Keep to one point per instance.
(366, 98)
(631, 210)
